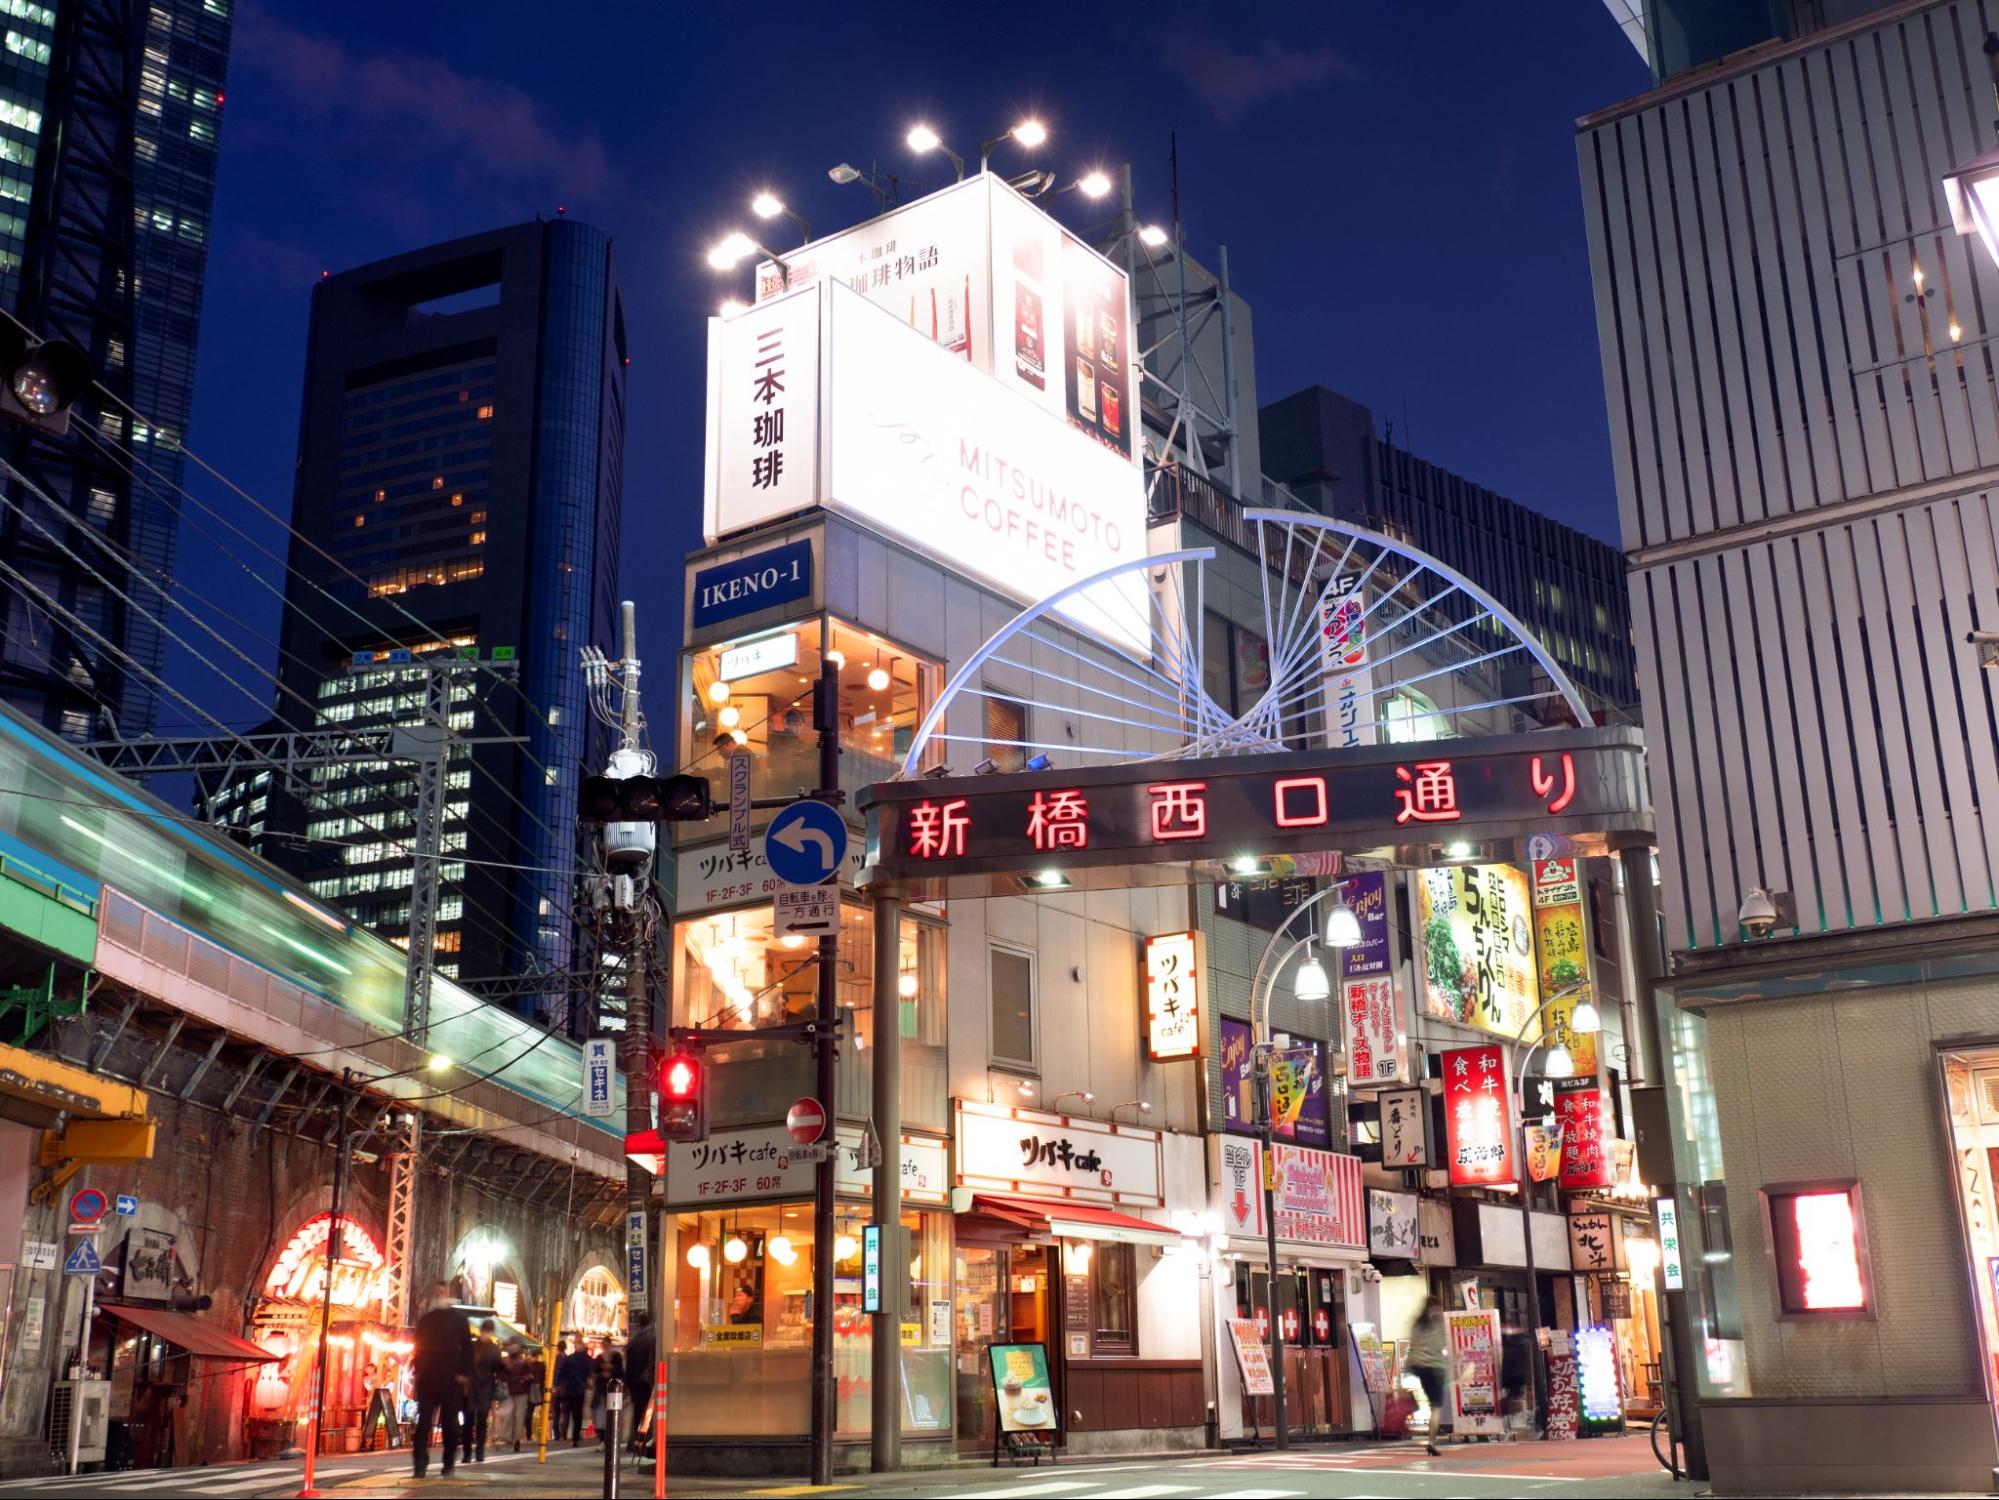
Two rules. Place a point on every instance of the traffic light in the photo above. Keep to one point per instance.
(645, 799)
(42, 377)
(683, 1098)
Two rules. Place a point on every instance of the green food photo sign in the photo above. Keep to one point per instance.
(1020, 1381)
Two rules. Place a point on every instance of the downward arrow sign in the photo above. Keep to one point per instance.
(1241, 1207)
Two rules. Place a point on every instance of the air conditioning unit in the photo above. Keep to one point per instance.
(92, 1399)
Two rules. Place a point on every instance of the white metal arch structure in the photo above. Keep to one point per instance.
(1318, 576)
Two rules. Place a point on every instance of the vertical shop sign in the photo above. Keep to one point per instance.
(1596, 1376)
(1668, 1211)
(635, 1261)
(1239, 1173)
(1348, 681)
(1173, 1009)
(1367, 897)
(1579, 1116)
(1405, 1119)
(1563, 958)
(1477, 1125)
(1564, 1408)
(1376, 1050)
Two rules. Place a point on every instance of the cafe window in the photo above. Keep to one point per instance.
(1113, 1299)
(1011, 986)
(754, 694)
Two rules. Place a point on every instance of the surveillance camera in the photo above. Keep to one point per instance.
(1758, 914)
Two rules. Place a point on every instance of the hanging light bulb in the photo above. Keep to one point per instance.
(878, 678)
(734, 1249)
(794, 940)
(844, 1246)
(718, 693)
(1559, 1063)
(905, 985)
(697, 1257)
(781, 1251)
(837, 658)
(1586, 1021)
(730, 717)
(1310, 982)
(1342, 927)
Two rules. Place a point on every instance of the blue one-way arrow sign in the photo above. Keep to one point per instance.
(83, 1259)
(806, 842)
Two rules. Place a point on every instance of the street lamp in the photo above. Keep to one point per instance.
(1152, 236)
(1092, 184)
(735, 247)
(1029, 133)
(1557, 1064)
(846, 172)
(922, 139)
(767, 205)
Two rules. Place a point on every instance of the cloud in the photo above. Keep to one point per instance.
(394, 99)
(1229, 81)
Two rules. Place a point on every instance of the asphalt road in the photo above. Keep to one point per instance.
(1607, 1467)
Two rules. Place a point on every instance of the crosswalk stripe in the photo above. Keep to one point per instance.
(1030, 1487)
(1255, 1495)
(244, 1486)
(1143, 1492)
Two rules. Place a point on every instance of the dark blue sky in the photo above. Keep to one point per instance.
(1396, 184)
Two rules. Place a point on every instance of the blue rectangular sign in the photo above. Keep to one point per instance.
(743, 585)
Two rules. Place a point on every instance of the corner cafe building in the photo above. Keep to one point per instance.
(887, 486)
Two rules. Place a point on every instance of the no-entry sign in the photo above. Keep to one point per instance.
(806, 1121)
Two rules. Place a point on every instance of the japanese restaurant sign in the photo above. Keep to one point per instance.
(1592, 1242)
(1478, 1131)
(1579, 1114)
(1391, 1225)
(1562, 956)
(924, 834)
(1174, 974)
(1057, 1156)
(763, 412)
(1479, 949)
(732, 1166)
(1405, 1123)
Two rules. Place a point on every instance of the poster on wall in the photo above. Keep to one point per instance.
(1478, 1132)
(1473, 1336)
(1318, 1198)
(1252, 1357)
(1562, 955)
(1297, 1086)
(1370, 1020)
(1478, 947)
(1391, 1225)
(1347, 684)
(1021, 1387)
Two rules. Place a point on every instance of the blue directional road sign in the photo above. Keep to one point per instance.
(805, 843)
(128, 1205)
(83, 1259)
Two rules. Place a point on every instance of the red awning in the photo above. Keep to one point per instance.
(191, 1334)
(1074, 1221)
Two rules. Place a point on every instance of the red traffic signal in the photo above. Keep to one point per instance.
(683, 1098)
(645, 799)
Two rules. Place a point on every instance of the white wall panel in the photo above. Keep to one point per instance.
(1817, 722)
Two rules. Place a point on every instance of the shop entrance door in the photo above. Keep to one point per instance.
(1003, 1296)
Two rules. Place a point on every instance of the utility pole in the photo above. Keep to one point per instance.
(825, 1029)
(628, 852)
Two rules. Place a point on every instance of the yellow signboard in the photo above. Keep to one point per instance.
(1562, 949)
(1478, 941)
(912, 1335)
(732, 1336)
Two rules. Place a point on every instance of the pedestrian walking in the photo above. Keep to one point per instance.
(443, 1361)
(485, 1389)
(1429, 1357)
(1516, 1378)
(610, 1367)
(640, 1356)
(572, 1387)
(513, 1392)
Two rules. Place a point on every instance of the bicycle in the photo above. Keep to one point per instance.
(1669, 1460)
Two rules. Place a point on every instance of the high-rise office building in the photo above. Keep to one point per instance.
(1567, 587)
(109, 119)
(459, 473)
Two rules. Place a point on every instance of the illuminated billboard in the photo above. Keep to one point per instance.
(1478, 941)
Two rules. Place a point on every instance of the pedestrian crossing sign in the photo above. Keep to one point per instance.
(83, 1259)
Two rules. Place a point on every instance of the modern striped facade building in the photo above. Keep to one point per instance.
(1804, 412)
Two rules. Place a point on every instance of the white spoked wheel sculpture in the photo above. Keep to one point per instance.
(1117, 659)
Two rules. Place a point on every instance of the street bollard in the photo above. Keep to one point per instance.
(659, 1431)
(614, 1405)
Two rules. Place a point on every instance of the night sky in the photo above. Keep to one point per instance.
(1396, 184)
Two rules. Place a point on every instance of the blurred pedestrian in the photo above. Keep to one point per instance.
(485, 1388)
(515, 1403)
(1429, 1358)
(443, 1361)
(641, 1354)
(572, 1387)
